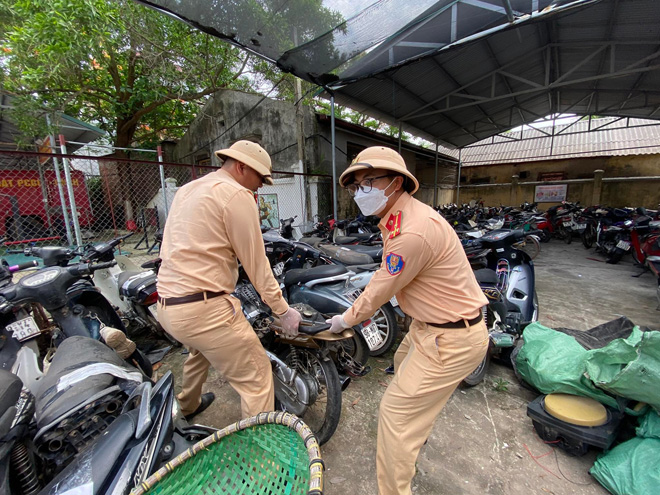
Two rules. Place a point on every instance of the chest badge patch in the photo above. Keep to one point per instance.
(394, 264)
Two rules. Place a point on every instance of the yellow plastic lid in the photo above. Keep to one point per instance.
(581, 411)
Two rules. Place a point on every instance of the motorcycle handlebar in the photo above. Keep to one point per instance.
(23, 266)
(87, 268)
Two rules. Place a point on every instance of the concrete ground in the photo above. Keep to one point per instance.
(482, 442)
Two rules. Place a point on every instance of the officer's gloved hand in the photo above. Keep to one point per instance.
(290, 321)
(338, 325)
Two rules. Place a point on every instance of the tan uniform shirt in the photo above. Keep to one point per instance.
(213, 223)
(425, 266)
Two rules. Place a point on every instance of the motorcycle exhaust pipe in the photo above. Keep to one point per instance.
(344, 381)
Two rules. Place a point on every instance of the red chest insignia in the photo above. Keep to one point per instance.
(394, 224)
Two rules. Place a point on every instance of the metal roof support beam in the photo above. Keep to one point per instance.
(457, 84)
(449, 107)
(403, 89)
(582, 62)
(630, 69)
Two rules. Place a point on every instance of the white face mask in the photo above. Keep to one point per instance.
(372, 202)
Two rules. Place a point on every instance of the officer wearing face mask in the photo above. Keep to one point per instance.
(425, 266)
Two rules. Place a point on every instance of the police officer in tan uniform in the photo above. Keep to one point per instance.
(212, 224)
(425, 266)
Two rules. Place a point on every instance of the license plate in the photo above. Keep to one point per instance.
(372, 336)
(352, 294)
(24, 329)
(625, 245)
(582, 226)
(153, 310)
(394, 301)
(278, 269)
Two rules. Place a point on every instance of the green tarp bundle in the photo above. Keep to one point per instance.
(555, 362)
(629, 367)
(632, 467)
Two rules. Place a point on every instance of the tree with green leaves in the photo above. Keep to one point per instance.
(136, 73)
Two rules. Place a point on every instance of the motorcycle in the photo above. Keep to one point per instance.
(305, 374)
(131, 290)
(93, 425)
(77, 307)
(509, 285)
(309, 276)
(645, 240)
(613, 234)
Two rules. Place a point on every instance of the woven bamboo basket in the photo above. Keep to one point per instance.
(269, 454)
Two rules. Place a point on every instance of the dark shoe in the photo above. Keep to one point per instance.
(207, 400)
(390, 369)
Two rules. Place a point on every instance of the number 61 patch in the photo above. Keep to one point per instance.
(394, 264)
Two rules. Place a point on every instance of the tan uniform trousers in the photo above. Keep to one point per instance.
(429, 364)
(216, 333)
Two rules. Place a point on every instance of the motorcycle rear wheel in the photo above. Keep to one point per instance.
(322, 416)
(357, 348)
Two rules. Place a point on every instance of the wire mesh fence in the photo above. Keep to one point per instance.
(115, 196)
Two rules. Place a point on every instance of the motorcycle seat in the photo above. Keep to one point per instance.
(131, 284)
(312, 241)
(10, 391)
(486, 276)
(301, 276)
(345, 255)
(72, 354)
(376, 252)
(506, 237)
(369, 267)
(342, 239)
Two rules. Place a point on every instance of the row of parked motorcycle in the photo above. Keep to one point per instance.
(613, 232)
(78, 406)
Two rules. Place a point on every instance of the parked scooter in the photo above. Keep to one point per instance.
(99, 425)
(645, 240)
(311, 277)
(509, 285)
(132, 290)
(613, 234)
(75, 305)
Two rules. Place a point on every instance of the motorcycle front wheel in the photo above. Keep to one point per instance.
(385, 319)
(478, 375)
(324, 391)
(588, 236)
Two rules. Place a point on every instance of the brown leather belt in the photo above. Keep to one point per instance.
(172, 301)
(459, 323)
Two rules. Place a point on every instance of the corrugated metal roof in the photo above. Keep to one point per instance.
(608, 137)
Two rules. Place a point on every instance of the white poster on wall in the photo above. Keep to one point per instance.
(550, 194)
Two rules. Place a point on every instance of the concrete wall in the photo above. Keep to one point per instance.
(231, 115)
(618, 194)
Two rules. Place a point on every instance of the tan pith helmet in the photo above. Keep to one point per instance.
(253, 155)
(383, 158)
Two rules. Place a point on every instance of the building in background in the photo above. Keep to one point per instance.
(303, 186)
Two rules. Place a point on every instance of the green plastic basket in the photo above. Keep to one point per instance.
(269, 454)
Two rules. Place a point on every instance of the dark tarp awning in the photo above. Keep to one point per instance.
(456, 71)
